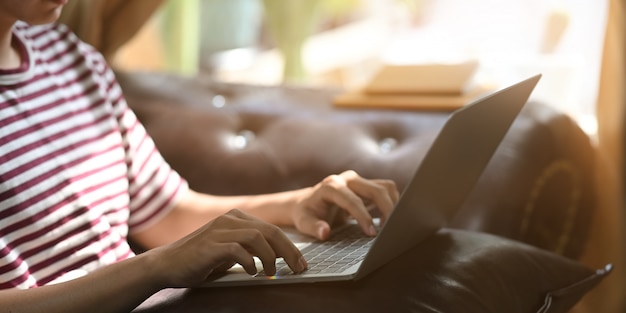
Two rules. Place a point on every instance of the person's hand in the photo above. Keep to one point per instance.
(234, 237)
(337, 197)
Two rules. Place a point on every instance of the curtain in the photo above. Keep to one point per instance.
(180, 29)
(607, 236)
(107, 24)
(612, 98)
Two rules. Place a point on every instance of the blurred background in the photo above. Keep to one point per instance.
(342, 43)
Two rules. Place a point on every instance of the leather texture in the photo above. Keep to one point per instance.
(453, 271)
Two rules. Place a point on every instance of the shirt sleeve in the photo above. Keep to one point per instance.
(154, 187)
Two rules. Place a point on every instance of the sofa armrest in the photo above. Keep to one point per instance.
(452, 271)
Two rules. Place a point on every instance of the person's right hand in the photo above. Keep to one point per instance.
(234, 237)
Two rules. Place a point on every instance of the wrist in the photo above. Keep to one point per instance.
(154, 274)
(284, 213)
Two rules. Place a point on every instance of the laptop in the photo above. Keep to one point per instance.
(439, 187)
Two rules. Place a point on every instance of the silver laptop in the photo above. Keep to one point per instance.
(440, 185)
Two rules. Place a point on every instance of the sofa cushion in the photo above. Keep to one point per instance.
(453, 271)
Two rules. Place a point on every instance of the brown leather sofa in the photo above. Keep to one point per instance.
(525, 224)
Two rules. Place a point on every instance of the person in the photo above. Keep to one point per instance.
(80, 177)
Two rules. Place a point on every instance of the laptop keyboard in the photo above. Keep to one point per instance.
(347, 247)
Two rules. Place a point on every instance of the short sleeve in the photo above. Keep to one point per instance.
(154, 187)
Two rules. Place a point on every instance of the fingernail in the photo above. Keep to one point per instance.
(372, 230)
(302, 264)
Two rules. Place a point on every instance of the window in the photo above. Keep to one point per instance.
(511, 40)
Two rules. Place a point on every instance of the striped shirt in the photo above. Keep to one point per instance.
(77, 170)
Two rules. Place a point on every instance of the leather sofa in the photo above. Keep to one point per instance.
(537, 194)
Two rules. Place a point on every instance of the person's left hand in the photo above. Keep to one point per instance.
(338, 196)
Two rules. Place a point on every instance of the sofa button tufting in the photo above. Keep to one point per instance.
(386, 145)
(218, 101)
(242, 139)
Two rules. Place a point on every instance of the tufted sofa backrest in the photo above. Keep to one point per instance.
(236, 139)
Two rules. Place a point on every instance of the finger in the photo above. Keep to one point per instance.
(282, 246)
(223, 267)
(335, 190)
(335, 215)
(254, 242)
(237, 253)
(278, 242)
(391, 187)
(383, 193)
(311, 225)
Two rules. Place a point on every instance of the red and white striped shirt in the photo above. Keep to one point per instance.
(77, 170)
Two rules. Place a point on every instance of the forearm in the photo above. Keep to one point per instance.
(311, 210)
(196, 209)
(273, 208)
(116, 288)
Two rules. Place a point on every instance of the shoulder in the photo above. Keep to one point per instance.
(54, 41)
(45, 36)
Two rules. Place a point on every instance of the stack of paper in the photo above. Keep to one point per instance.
(424, 87)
